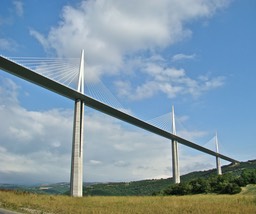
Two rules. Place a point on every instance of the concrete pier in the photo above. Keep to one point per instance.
(175, 164)
(175, 157)
(218, 164)
(76, 178)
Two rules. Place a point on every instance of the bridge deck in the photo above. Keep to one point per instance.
(31, 76)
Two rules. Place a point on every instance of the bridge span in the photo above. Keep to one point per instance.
(38, 79)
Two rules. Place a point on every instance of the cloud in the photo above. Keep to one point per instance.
(36, 146)
(111, 31)
(189, 163)
(95, 162)
(4, 44)
(18, 7)
(33, 145)
(120, 26)
(159, 78)
(40, 38)
(180, 57)
(7, 44)
(120, 40)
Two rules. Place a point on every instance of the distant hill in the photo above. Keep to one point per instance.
(234, 169)
(147, 187)
(143, 187)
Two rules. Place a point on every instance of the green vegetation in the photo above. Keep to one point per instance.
(135, 188)
(221, 184)
(52, 189)
(34, 203)
(147, 187)
(197, 183)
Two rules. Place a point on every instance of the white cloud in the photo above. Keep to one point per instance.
(191, 135)
(4, 44)
(179, 57)
(7, 44)
(40, 38)
(33, 145)
(121, 39)
(36, 146)
(95, 162)
(190, 163)
(168, 80)
(109, 31)
(18, 7)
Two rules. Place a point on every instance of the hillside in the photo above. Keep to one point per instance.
(147, 187)
(143, 187)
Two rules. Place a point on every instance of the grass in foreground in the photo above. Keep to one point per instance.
(27, 203)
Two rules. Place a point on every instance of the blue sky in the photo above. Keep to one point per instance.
(196, 55)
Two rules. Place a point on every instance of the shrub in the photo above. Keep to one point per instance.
(231, 188)
(200, 186)
(220, 184)
(248, 176)
(179, 189)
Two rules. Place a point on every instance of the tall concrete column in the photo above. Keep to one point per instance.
(76, 177)
(175, 157)
(218, 164)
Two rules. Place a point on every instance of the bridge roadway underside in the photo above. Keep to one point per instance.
(31, 76)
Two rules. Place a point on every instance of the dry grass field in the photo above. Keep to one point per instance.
(33, 203)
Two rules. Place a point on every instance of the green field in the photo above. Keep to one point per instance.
(34, 203)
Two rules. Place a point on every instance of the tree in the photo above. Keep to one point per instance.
(200, 186)
(248, 176)
(178, 189)
(220, 184)
(231, 188)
